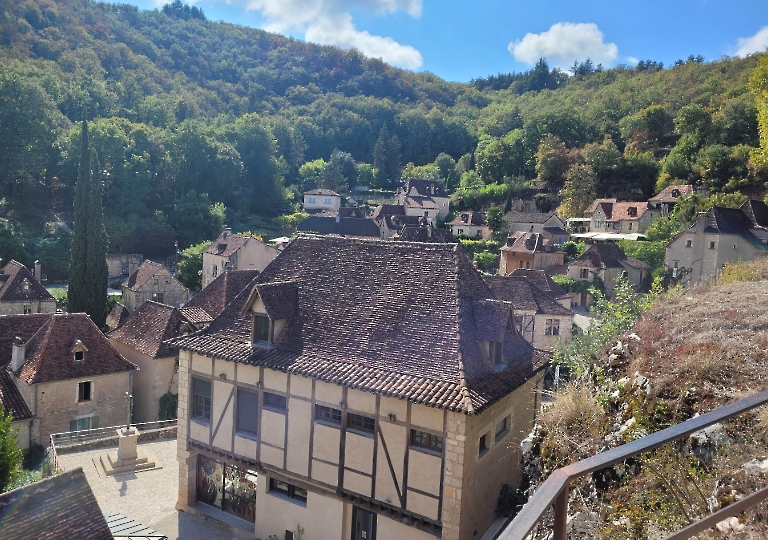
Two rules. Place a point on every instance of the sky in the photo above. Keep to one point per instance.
(462, 40)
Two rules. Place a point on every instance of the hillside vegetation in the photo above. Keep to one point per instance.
(230, 124)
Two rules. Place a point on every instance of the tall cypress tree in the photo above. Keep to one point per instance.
(88, 274)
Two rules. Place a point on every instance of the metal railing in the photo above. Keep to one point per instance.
(555, 488)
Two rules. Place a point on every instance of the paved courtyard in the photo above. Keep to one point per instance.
(148, 497)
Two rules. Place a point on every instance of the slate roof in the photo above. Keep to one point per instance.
(393, 318)
(220, 292)
(341, 226)
(524, 295)
(322, 191)
(757, 213)
(597, 202)
(470, 218)
(149, 326)
(388, 210)
(426, 203)
(227, 244)
(671, 194)
(146, 271)
(116, 316)
(12, 400)
(608, 255)
(398, 222)
(410, 233)
(344, 211)
(423, 188)
(528, 242)
(542, 280)
(12, 278)
(61, 507)
(49, 339)
(529, 217)
(726, 221)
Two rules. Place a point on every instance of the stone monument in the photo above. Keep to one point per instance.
(128, 458)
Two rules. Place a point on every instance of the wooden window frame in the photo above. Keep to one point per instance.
(365, 425)
(279, 403)
(204, 403)
(423, 440)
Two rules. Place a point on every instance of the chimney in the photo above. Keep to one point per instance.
(429, 231)
(17, 356)
(227, 232)
(132, 266)
(38, 271)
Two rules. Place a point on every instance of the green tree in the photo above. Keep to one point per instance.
(552, 161)
(495, 219)
(191, 266)
(10, 453)
(88, 273)
(662, 229)
(195, 218)
(387, 156)
(578, 191)
(692, 119)
(603, 158)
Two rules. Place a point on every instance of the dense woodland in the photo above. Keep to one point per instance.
(199, 123)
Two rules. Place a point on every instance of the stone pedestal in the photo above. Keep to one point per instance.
(128, 439)
(128, 458)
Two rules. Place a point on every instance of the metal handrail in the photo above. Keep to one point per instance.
(89, 435)
(555, 488)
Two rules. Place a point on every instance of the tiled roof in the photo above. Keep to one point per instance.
(424, 188)
(49, 340)
(411, 233)
(470, 218)
(341, 226)
(627, 210)
(597, 202)
(394, 318)
(116, 316)
(554, 231)
(149, 326)
(196, 315)
(397, 222)
(61, 507)
(227, 244)
(528, 242)
(756, 212)
(422, 202)
(671, 194)
(12, 284)
(281, 299)
(146, 271)
(344, 211)
(12, 400)
(529, 217)
(726, 221)
(388, 210)
(608, 255)
(220, 292)
(542, 281)
(322, 191)
(524, 295)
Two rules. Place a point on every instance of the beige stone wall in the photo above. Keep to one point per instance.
(23, 433)
(547, 342)
(335, 202)
(34, 306)
(174, 293)
(701, 262)
(254, 255)
(475, 231)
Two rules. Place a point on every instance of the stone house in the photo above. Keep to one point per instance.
(13, 403)
(547, 224)
(608, 215)
(209, 303)
(351, 227)
(538, 317)
(391, 218)
(65, 369)
(528, 251)
(22, 293)
(153, 281)
(383, 407)
(720, 235)
(471, 224)
(123, 264)
(425, 233)
(419, 195)
(666, 200)
(608, 262)
(322, 199)
(235, 252)
(544, 281)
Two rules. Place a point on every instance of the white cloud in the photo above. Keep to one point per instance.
(632, 60)
(564, 43)
(754, 44)
(329, 22)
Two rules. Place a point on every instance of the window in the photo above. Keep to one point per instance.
(629, 226)
(734, 246)
(84, 424)
(27, 309)
(559, 239)
(25, 285)
(215, 271)
(597, 224)
(157, 297)
(494, 352)
(711, 245)
(527, 265)
(479, 233)
(502, 428)
(553, 327)
(287, 490)
(201, 392)
(422, 439)
(261, 329)
(360, 422)
(274, 402)
(327, 200)
(312, 199)
(328, 414)
(85, 391)
(79, 356)
(483, 445)
(688, 243)
(519, 323)
(460, 231)
(521, 264)
(247, 411)
(227, 488)
(584, 273)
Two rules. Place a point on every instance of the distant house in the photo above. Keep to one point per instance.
(608, 262)
(608, 215)
(322, 199)
(348, 227)
(209, 303)
(153, 281)
(544, 282)
(420, 196)
(529, 251)
(720, 235)
(391, 218)
(666, 200)
(471, 224)
(22, 293)
(425, 233)
(547, 224)
(123, 264)
(235, 252)
(116, 316)
(68, 374)
(538, 317)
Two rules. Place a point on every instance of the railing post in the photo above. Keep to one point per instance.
(561, 514)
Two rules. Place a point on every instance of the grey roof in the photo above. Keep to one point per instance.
(341, 226)
(529, 217)
(524, 295)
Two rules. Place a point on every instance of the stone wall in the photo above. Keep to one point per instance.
(34, 306)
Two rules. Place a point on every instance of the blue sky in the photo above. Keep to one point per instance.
(459, 40)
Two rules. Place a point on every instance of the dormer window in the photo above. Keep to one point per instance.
(494, 351)
(78, 351)
(25, 285)
(79, 356)
(261, 330)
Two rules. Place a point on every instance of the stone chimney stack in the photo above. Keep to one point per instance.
(132, 266)
(17, 356)
(38, 271)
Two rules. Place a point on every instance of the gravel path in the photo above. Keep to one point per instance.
(148, 497)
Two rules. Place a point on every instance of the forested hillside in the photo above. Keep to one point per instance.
(191, 118)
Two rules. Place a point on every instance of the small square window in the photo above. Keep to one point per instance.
(312, 199)
(360, 422)
(261, 329)
(157, 297)
(84, 391)
(201, 399)
(274, 402)
(327, 200)
(734, 246)
(422, 439)
(328, 414)
(711, 245)
(27, 309)
(553, 327)
(287, 490)
(79, 356)
(502, 428)
(688, 243)
(584, 273)
(483, 445)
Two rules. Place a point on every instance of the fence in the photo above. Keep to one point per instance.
(555, 488)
